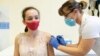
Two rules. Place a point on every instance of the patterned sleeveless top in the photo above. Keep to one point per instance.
(36, 46)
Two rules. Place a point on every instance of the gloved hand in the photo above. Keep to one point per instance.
(61, 40)
(54, 42)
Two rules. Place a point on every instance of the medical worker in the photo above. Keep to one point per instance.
(89, 30)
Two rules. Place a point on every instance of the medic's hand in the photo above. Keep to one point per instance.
(61, 40)
(54, 42)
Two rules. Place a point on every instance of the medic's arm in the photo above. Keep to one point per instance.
(74, 45)
(82, 49)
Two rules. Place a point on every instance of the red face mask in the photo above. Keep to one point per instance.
(32, 25)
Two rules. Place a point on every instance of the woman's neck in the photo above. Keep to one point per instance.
(32, 33)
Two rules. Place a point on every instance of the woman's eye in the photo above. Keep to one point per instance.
(36, 17)
(30, 18)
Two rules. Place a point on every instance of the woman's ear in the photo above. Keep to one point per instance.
(76, 11)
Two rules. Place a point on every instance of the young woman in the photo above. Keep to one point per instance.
(89, 29)
(32, 42)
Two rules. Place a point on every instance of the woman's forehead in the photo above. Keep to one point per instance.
(31, 12)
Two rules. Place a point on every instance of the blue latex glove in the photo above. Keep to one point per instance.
(61, 40)
(54, 42)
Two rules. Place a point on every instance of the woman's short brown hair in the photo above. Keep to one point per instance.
(71, 5)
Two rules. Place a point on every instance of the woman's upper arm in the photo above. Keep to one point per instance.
(50, 50)
(16, 48)
(85, 45)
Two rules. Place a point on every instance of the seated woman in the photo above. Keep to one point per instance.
(32, 42)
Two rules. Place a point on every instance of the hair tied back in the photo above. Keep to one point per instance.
(83, 4)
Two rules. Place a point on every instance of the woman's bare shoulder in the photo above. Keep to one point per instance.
(47, 35)
(18, 36)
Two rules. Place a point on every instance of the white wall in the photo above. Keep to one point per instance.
(4, 28)
(50, 20)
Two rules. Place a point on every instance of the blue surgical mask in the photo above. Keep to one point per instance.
(70, 22)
